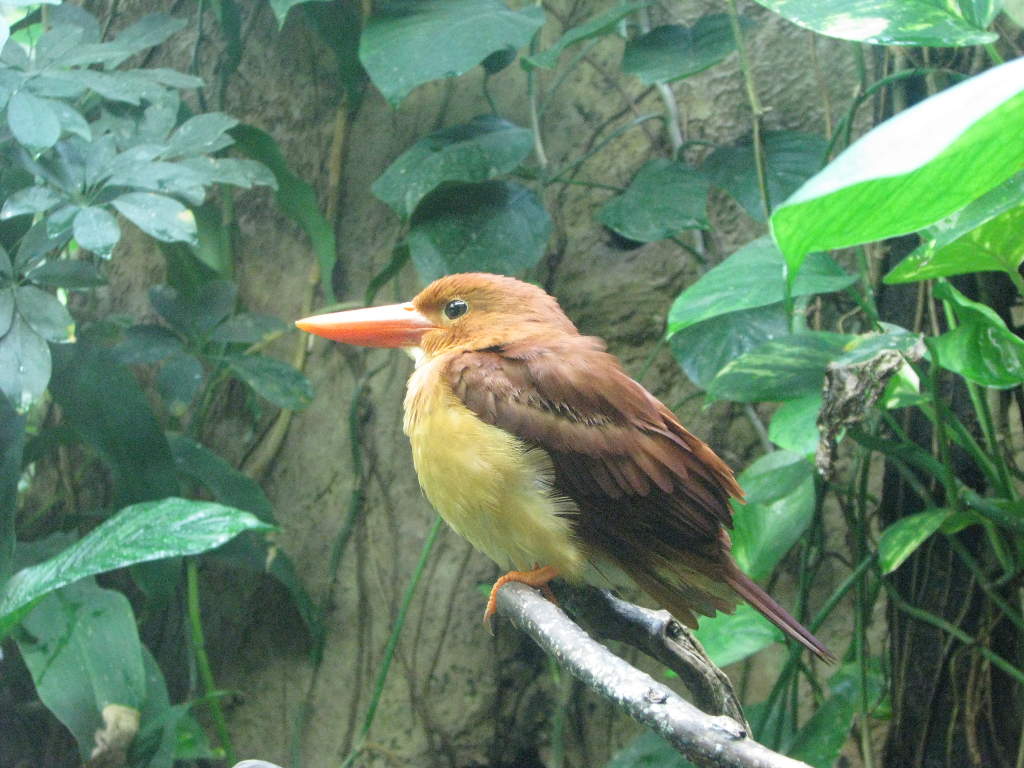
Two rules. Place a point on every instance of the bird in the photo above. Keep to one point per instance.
(534, 444)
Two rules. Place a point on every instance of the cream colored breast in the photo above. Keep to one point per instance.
(486, 483)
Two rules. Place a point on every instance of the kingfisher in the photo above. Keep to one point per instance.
(535, 445)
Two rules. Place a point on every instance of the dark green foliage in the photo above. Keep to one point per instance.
(89, 143)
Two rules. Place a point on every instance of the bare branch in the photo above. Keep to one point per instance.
(661, 637)
(715, 741)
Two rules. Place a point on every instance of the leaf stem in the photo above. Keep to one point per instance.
(755, 108)
(203, 661)
(389, 649)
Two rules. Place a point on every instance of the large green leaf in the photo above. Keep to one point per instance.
(664, 197)
(884, 22)
(96, 230)
(485, 147)
(981, 349)
(901, 539)
(104, 404)
(83, 651)
(671, 52)
(705, 348)
(73, 274)
(596, 26)
(295, 197)
(44, 313)
(24, 363)
(33, 121)
(249, 550)
(159, 216)
(732, 637)
(178, 382)
(493, 226)
(896, 178)
(820, 740)
(277, 381)
(197, 312)
(152, 530)
(794, 426)
(779, 509)
(983, 236)
(790, 158)
(248, 328)
(406, 43)
(753, 276)
(780, 370)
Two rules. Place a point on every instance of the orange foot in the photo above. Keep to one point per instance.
(537, 578)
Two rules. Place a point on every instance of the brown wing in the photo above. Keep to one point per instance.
(652, 498)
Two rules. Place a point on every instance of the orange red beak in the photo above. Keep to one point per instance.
(394, 325)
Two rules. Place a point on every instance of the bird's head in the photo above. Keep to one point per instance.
(465, 311)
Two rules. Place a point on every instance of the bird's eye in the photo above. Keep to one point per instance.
(455, 308)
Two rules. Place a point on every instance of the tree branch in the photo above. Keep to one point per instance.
(715, 741)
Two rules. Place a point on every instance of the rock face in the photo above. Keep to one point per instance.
(455, 695)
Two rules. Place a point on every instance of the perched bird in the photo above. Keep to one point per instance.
(534, 444)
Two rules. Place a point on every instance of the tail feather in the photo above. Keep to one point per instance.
(776, 614)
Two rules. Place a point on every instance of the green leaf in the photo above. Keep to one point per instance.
(596, 26)
(161, 217)
(33, 121)
(24, 364)
(179, 380)
(37, 243)
(44, 314)
(902, 538)
(149, 31)
(790, 158)
(648, 750)
(705, 348)
(153, 745)
(794, 426)
(281, 8)
(146, 344)
(239, 172)
(201, 135)
(227, 484)
(671, 51)
(981, 349)
(248, 328)
(151, 530)
(780, 506)
(277, 381)
(249, 550)
(493, 226)
(295, 197)
(895, 179)
(883, 22)
(485, 147)
(198, 314)
(96, 230)
(980, 13)
(780, 370)
(73, 274)
(37, 199)
(71, 120)
(664, 197)
(104, 404)
(83, 651)
(732, 637)
(167, 178)
(821, 739)
(753, 276)
(984, 236)
(400, 46)
(12, 442)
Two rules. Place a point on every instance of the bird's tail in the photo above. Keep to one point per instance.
(775, 613)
